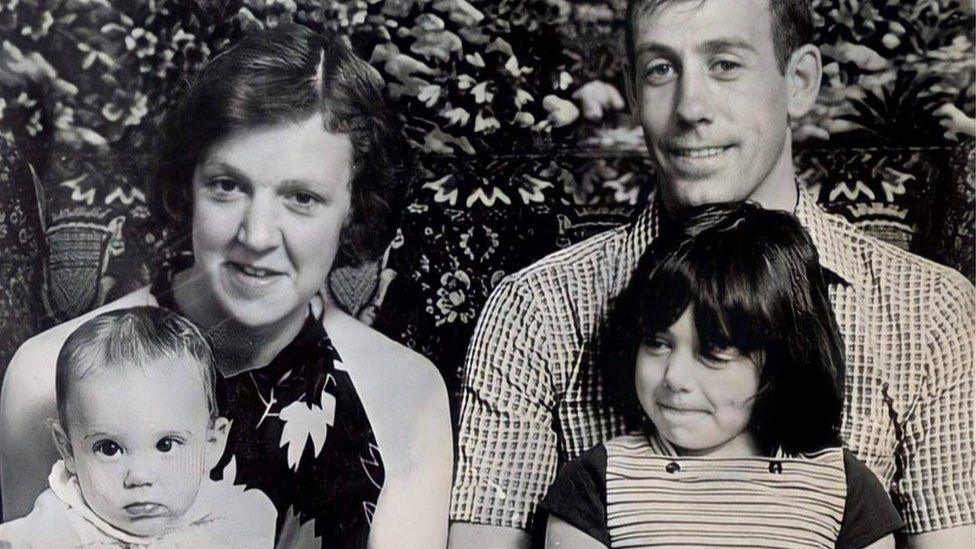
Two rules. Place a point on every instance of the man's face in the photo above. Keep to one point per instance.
(712, 101)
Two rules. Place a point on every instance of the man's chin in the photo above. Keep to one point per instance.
(679, 194)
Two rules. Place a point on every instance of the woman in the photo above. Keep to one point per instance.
(281, 162)
(725, 348)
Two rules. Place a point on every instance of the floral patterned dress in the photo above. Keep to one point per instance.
(299, 433)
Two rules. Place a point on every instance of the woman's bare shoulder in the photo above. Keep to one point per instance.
(404, 394)
(30, 374)
(370, 355)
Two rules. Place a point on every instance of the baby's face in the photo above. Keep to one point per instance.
(141, 441)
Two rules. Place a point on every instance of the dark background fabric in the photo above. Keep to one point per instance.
(496, 98)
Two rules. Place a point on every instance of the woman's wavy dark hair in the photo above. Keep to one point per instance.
(286, 75)
(753, 279)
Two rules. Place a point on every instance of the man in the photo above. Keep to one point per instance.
(714, 84)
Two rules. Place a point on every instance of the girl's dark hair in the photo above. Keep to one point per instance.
(754, 282)
(286, 75)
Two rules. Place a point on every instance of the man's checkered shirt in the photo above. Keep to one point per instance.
(533, 399)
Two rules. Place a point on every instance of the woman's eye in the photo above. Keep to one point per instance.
(107, 448)
(305, 201)
(223, 186)
(166, 444)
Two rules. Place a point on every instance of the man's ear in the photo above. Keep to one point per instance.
(63, 444)
(217, 441)
(803, 77)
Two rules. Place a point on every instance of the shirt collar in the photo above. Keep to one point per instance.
(836, 257)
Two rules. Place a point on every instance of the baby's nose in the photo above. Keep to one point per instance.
(138, 477)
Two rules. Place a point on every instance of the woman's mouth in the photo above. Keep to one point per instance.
(253, 277)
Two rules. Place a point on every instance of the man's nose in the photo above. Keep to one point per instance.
(693, 99)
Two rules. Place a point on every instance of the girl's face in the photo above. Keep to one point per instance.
(269, 204)
(699, 399)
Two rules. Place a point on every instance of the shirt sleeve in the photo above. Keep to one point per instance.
(869, 514)
(937, 455)
(579, 494)
(506, 441)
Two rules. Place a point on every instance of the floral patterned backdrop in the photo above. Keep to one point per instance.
(516, 108)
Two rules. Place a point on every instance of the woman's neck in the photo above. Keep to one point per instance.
(239, 348)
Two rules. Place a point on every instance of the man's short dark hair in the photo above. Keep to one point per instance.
(284, 75)
(792, 25)
(753, 280)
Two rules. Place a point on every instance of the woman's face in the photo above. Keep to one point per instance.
(699, 399)
(268, 206)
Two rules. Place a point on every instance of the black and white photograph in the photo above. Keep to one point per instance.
(501, 274)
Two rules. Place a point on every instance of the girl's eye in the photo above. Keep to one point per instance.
(723, 355)
(166, 444)
(107, 448)
(657, 346)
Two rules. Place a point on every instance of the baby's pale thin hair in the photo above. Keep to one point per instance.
(132, 338)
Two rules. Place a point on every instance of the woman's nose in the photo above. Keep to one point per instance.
(259, 228)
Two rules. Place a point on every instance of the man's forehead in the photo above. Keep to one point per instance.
(656, 22)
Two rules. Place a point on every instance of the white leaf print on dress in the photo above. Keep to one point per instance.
(303, 420)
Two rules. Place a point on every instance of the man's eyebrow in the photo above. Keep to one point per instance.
(725, 44)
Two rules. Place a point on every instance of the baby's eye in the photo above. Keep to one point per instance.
(167, 444)
(107, 448)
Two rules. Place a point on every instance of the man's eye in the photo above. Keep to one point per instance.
(726, 66)
(107, 448)
(659, 72)
(166, 444)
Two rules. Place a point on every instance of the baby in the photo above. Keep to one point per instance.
(138, 432)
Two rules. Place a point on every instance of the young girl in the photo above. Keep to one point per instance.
(725, 347)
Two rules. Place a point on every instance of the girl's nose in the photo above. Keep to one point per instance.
(677, 376)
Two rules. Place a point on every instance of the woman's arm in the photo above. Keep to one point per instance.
(406, 402)
(27, 451)
(413, 506)
(960, 537)
(562, 535)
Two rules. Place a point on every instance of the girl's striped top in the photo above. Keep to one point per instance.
(651, 497)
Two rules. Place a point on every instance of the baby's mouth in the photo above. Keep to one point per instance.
(145, 510)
